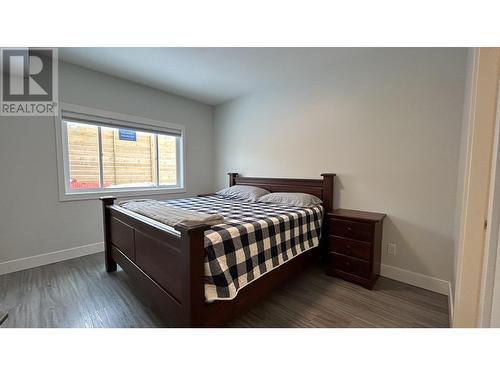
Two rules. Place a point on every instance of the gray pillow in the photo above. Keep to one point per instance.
(243, 192)
(291, 199)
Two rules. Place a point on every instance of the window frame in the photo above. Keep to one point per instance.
(67, 194)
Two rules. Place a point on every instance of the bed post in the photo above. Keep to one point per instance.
(193, 253)
(108, 258)
(328, 207)
(232, 178)
(328, 191)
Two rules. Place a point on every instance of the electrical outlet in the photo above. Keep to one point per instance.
(391, 249)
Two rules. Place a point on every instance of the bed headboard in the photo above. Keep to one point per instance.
(322, 188)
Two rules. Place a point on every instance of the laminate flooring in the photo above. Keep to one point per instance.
(79, 293)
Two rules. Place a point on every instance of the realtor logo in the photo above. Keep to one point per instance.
(29, 82)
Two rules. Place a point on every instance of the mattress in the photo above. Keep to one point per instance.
(254, 239)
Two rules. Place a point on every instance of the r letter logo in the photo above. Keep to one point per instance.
(29, 82)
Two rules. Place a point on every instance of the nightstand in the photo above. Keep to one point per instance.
(354, 245)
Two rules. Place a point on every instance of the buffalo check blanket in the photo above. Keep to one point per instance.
(254, 239)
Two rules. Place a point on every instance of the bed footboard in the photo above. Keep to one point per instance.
(168, 264)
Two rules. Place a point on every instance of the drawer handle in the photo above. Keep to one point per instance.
(349, 228)
(348, 247)
(348, 264)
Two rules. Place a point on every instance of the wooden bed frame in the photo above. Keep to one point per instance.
(167, 264)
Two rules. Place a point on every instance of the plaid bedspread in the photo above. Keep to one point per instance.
(254, 239)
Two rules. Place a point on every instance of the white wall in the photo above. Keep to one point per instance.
(33, 221)
(388, 123)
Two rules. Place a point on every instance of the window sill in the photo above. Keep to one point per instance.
(120, 193)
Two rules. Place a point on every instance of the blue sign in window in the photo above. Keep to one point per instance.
(127, 135)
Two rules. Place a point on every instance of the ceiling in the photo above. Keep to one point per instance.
(208, 75)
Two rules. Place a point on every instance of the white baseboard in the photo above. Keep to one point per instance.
(395, 273)
(43, 259)
(416, 279)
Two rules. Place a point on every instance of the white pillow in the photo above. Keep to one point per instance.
(243, 192)
(291, 199)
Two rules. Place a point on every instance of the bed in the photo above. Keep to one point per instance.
(179, 269)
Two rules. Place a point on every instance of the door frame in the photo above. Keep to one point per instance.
(481, 125)
(490, 284)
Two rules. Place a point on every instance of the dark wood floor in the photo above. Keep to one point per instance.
(78, 293)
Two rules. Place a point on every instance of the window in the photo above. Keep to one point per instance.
(114, 153)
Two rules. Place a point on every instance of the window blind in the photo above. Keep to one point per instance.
(114, 123)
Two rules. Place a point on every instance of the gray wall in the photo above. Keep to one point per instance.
(388, 123)
(33, 221)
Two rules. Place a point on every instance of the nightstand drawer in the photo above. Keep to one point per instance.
(349, 265)
(349, 247)
(351, 229)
